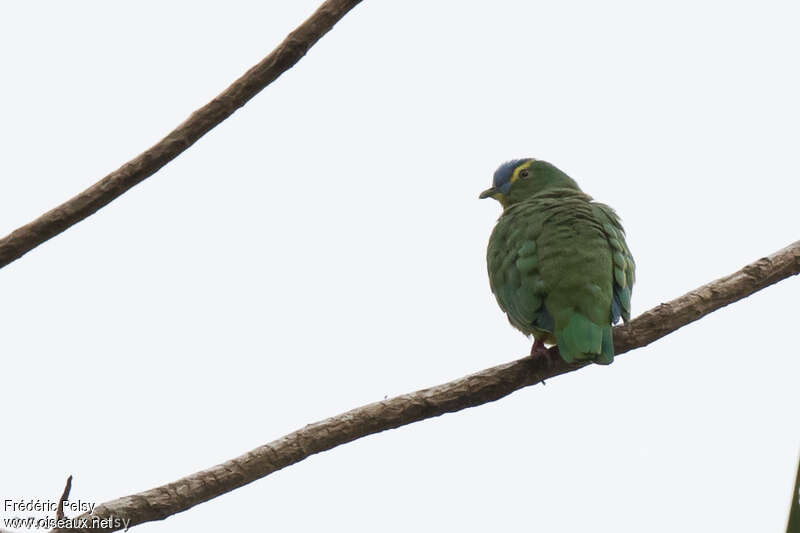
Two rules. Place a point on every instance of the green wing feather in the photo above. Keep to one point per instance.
(624, 266)
(514, 273)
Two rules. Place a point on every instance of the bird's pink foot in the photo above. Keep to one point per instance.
(537, 348)
(549, 355)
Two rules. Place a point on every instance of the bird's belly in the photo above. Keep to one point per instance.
(543, 335)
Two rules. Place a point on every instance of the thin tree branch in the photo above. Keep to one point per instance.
(60, 509)
(476, 389)
(63, 499)
(794, 506)
(24, 239)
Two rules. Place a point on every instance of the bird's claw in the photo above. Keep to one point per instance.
(540, 352)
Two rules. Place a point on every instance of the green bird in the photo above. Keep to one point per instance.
(558, 262)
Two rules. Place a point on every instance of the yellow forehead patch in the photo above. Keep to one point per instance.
(515, 174)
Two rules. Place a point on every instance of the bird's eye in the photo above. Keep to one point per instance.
(523, 173)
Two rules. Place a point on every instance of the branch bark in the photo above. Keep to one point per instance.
(476, 389)
(64, 497)
(794, 506)
(286, 55)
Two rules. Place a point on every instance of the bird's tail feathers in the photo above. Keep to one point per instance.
(583, 340)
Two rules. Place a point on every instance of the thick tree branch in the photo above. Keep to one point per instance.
(476, 389)
(24, 239)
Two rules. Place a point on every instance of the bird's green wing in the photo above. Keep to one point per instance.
(624, 266)
(514, 275)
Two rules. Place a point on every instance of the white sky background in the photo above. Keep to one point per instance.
(325, 247)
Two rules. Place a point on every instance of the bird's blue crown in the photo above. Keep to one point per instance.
(502, 176)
